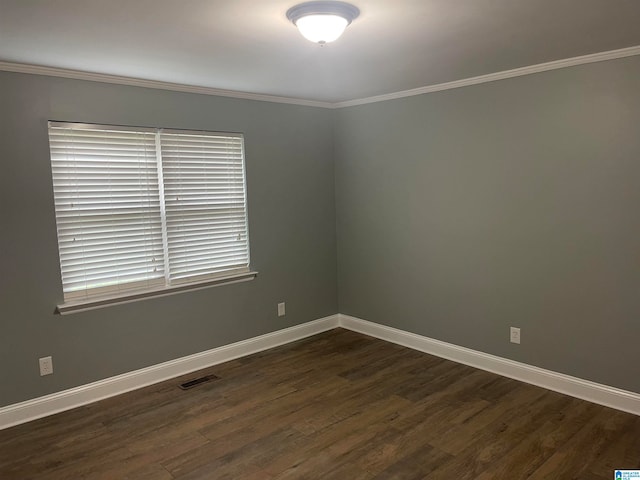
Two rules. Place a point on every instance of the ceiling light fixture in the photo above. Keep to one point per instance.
(322, 22)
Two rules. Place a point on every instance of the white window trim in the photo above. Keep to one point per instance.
(143, 294)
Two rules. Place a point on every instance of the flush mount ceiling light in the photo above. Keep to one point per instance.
(322, 22)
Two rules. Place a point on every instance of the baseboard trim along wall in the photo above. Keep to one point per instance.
(75, 397)
(558, 382)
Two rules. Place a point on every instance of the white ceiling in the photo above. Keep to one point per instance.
(249, 45)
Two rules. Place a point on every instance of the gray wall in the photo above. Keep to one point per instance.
(459, 214)
(290, 181)
(517, 202)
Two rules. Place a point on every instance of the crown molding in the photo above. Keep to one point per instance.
(139, 82)
(493, 77)
(177, 87)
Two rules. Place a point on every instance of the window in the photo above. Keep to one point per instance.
(141, 209)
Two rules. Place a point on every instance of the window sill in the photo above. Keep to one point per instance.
(101, 302)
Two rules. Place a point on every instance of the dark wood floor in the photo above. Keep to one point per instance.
(335, 406)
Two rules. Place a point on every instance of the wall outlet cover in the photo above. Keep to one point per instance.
(515, 335)
(46, 366)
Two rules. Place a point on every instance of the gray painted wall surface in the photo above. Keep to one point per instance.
(459, 214)
(517, 202)
(290, 181)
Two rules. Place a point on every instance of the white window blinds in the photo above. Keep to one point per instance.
(205, 204)
(144, 209)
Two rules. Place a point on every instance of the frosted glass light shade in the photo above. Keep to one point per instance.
(322, 21)
(322, 28)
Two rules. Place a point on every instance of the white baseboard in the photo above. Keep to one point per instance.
(75, 397)
(558, 382)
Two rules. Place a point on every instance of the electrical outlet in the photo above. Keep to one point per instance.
(515, 335)
(281, 309)
(46, 366)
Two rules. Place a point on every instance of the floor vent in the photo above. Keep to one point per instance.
(197, 381)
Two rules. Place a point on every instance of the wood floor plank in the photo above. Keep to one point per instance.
(420, 464)
(540, 445)
(339, 405)
(592, 441)
(320, 449)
